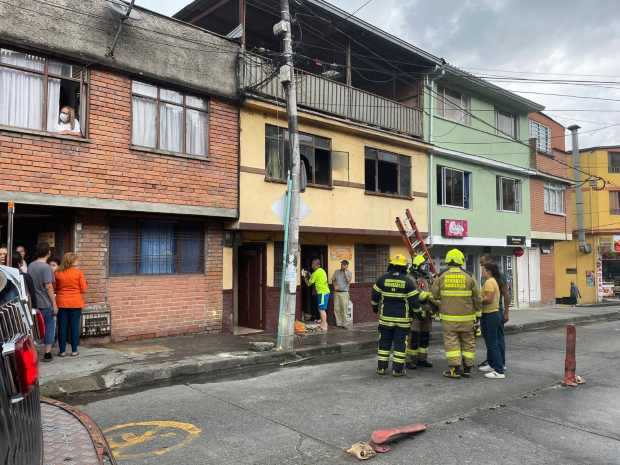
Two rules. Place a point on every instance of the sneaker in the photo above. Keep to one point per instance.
(48, 357)
(424, 364)
(466, 372)
(381, 371)
(486, 368)
(495, 375)
(453, 373)
(486, 362)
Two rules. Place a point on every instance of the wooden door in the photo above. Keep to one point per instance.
(251, 285)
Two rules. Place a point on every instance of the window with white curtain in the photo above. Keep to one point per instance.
(168, 120)
(508, 194)
(542, 134)
(506, 123)
(554, 198)
(33, 90)
(452, 105)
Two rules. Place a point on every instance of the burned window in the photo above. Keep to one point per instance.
(155, 247)
(42, 94)
(315, 153)
(387, 173)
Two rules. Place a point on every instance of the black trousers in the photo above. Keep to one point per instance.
(392, 341)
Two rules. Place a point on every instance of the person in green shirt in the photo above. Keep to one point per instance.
(318, 278)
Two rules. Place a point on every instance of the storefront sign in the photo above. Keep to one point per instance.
(454, 228)
(515, 240)
(518, 252)
(341, 252)
(616, 242)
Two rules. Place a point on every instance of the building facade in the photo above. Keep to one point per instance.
(551, 211)
(480, 171)
(595, 270)
(143, 187)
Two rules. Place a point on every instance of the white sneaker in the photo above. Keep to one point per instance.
(485, 368)
(495, 375)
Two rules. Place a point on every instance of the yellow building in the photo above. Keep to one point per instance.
(360, 179)
(597, 274)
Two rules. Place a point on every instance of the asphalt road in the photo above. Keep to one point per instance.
(307, 415)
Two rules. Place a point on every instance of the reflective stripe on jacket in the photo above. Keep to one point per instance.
(395, 296)
(458, 296)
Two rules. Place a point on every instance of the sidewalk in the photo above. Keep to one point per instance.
(135, 364)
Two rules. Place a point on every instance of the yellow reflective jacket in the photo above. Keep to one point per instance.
(457, 295)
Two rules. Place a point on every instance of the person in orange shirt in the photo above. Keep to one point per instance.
(70, 287)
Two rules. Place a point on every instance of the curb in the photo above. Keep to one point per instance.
(132, 376)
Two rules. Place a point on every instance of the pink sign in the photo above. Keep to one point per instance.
(454, 228)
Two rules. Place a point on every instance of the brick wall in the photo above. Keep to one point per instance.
(152, 306)
(105, 166)
(542, 221)
(547, 279)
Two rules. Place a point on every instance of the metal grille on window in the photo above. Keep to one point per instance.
(370, 262)
(542, 134)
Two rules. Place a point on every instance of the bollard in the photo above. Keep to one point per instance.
(570, 363)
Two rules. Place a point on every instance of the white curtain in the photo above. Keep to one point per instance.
(144, 116)
(21, 93)
(170, 127)
(196, 136)
(53, 103)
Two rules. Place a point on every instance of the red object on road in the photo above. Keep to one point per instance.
(380, 438)
(570, 364)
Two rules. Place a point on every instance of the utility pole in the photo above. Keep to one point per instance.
(581, 232)
(286, 325)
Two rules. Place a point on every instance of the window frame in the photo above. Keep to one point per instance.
(515, 123)
(83, 81)
(548, 189)
(533, 124)
(158, 101)
(136, 224)
(613, 169)
(442, 180)
(465, 105)
(613, 211)
(499, 194)
(283, 141)
(381, 253)
(400, 164)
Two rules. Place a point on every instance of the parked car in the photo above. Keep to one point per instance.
(23, 413)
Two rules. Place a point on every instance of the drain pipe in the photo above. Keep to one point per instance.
(430, 86)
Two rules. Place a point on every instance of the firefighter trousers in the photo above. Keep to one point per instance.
(459, 342)
(392, 341)
(417, 348)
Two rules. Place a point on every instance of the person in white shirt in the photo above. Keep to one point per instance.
(67, 124)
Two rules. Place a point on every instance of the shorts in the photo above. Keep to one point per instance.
(323, 300)
(50, 325)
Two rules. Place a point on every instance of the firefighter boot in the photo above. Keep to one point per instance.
(422, 355)
(466, 372)
(453, 372)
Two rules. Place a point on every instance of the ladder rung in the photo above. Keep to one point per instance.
(415, 244)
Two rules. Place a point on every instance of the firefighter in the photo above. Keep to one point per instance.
(417, 349)
(458, 295)
(394, 298)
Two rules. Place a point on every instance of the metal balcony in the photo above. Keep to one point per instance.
(258, 76)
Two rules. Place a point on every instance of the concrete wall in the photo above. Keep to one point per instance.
(344, 206)
(568, 258)
(150, 45)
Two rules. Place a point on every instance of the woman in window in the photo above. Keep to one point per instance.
(67, 124)
(70, 288)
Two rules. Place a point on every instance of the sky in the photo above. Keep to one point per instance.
(541, 39)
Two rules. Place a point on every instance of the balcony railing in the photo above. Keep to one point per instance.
(259, 76)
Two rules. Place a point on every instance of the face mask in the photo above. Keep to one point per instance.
(64, 117)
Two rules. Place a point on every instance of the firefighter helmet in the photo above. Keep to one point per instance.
(398, 260)
(456, 257)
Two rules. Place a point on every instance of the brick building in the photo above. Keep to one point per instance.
(143, 188)
(550, 211)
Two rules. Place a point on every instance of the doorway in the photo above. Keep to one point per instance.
(251, 271)
(309, 304)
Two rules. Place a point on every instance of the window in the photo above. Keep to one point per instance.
(453, 187)
(315, 154)
(614, 202)
(388, 173)
(452, 105)
(614, 162)
(168, 120)
(554, 198)
(542, 134)
(508, 192)
(155, 247)
(371, 261)
(34, 89)
(506, 123)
